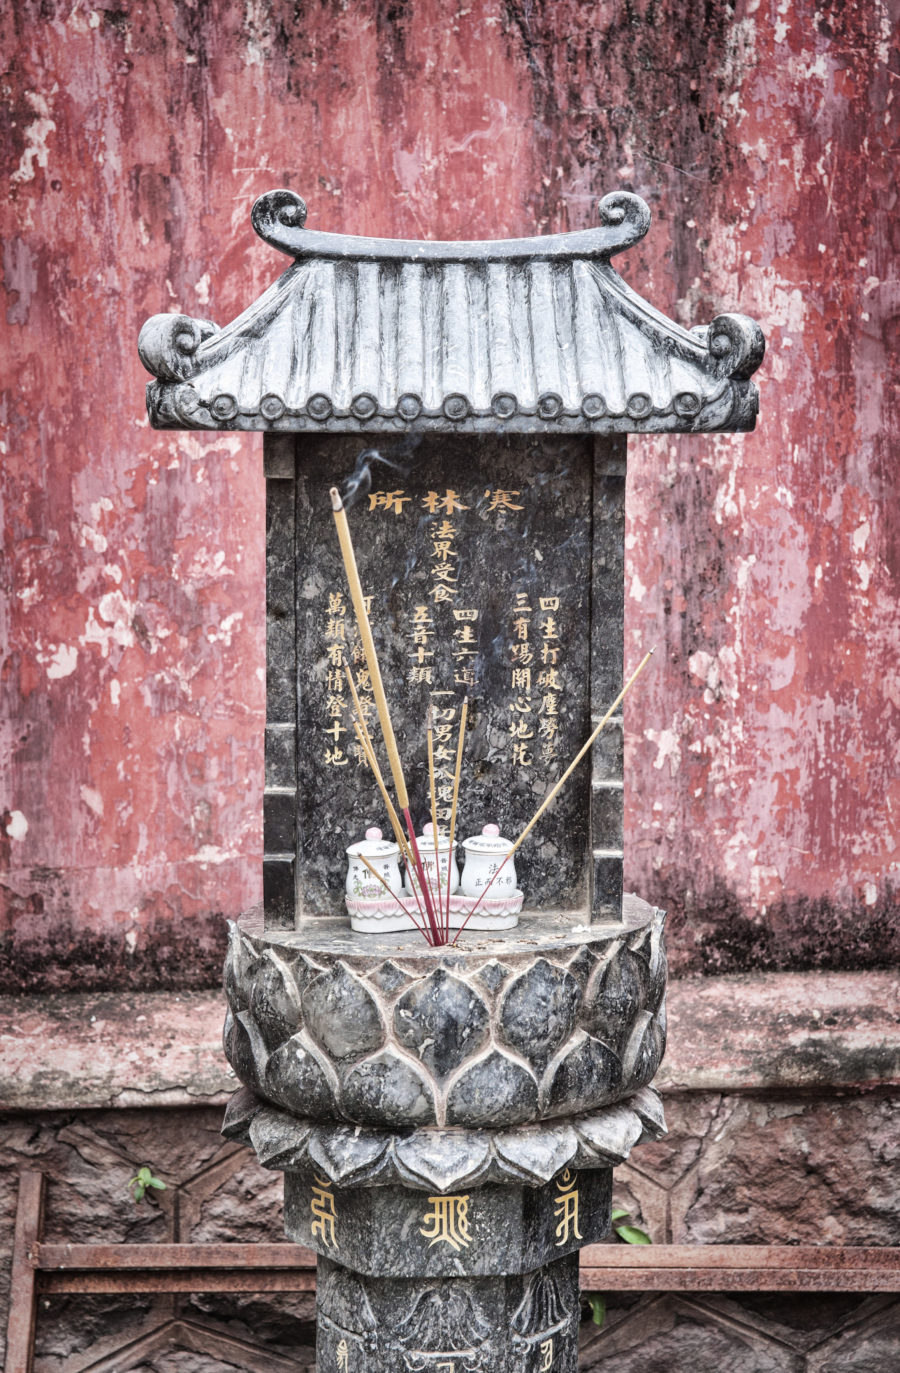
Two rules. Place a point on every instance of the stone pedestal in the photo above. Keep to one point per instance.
(447, 1121)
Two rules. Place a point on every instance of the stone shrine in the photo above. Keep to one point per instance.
(447, 1118)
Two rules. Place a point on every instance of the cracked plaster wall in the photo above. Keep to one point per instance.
(136, 138)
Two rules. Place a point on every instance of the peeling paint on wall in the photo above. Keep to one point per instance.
(764, 785)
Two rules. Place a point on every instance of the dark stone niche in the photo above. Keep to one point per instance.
(494, 568)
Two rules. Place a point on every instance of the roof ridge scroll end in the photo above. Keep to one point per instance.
(279, 217)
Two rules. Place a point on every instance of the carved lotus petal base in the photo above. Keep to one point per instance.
(546, 1021)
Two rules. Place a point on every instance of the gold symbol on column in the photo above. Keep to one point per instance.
(566, 1209)
(322, 1207)
(449, 1366)
(343, 1357)
(546, 1353)
(449, 1221)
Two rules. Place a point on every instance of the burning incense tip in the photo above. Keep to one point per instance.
(336, 502)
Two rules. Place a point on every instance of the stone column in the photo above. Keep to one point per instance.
(447, 1121)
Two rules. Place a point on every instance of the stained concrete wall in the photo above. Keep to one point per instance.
(762, 764)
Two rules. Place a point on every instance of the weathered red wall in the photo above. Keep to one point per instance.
(763, 768)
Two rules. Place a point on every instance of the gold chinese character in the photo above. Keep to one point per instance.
(336, 603)
(443, 550)
(336, 758)
(449, 1221)
(521, 679)
(388, 500)
(549, 654)
(519, 730)
(422, 615)
(422, 676)
(521, 653)
(549, 603)
(335, 705)
(335, 655)
(502, 500)
(520, 627)
(442, 573)
(521, 757)
(548, 625)
(464, 676)
(465, 614)
(546, 1353)
(343, 1357)
(449, 502)
(335, 629)
(322, 1207)
(441, 593)
(464, 635)
(522, 602)
(445, 530)
(335, 730)
(421, 634)
(549, 678)
(566, 1209)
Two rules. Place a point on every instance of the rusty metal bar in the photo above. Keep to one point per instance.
(184, 1279)
(749, 1256)
(29, 1223)
(63, 1257)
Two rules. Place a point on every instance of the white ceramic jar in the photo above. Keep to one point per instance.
(384, 858)
(485, 853)
(425, 842)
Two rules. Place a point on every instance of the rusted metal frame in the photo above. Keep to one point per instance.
(739, 1268)
(62, 1257)
(185, 1280)
(22, 1287)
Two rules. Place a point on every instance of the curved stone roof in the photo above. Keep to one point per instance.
(526, 334)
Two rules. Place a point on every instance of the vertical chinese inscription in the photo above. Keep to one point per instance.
(477, 568)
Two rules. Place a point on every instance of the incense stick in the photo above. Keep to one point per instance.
(366, 744)
(381, 705)
(556, 789)
(388, 889)
(429, 735)
(365, 631)
(459, 754)
(369, 748)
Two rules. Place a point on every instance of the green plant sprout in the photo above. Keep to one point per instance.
(628, 1234)
(143, 1179)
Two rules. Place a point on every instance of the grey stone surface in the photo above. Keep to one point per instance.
(488, 1230)
(523, 1322)
(432, 1158)
(546, 1022)
(527, 335)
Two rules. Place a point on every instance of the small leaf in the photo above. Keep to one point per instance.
(598, 1307)
(620, 1215)
(144, 1175)
(632, 1235)
(156, 1182)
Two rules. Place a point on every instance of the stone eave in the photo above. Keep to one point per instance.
(526, 335)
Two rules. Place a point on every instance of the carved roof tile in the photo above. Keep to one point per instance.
(527, 334)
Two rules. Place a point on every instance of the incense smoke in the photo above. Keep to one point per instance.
(359, 482)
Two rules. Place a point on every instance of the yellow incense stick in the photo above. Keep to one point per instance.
(368, 643)
(555, 790)
(456, 776)
(366, 745)
(429, 734)
(368, 748)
